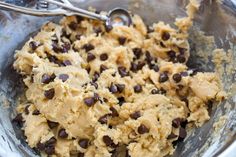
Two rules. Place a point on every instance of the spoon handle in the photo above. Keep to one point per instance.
(78, 11)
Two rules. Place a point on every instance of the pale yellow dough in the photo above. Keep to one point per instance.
(67, 107)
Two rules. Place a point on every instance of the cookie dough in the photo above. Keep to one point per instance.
(98, 92)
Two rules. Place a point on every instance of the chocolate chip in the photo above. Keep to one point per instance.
(96, 97)
(171, 54)
(140, 65)
(173, 60)
(79, 18)
(163, 77)
(137, 52)
(88, 47)
(108, 28)
(155, 68)
(56, 47)
(120, 87)
(176, 122)
(134, 67)
(90, 57)
(108, 141)
(122, 40)
(62, 133)
(66, 47)
(155, 91)
(162, 91)
(89, 101)
(33, 45)
(183, 123)
(80, 154)
(182, 133)
(97, 30)
(53, 59)
(36, 112)
(177, 77)
(73, 25)
(40, 146)
(171, 136)
(94, 84)
(63, 77)
(50, 150)
(162, 44)
(95, 76)
(51, 142)
(121, 100)
(103, 68)
(64, 34)
(46, 79)
(181, 50)
(18, 120)
(122, 71)
(52, 124)
(148, 58)
(66, 63)
(135, 115)
(103, 119)
(49, 94)
(103, 57)
(165, 36)
(113, 88)
(27, 109)
(138, 88)
(84, 143)
(114, 112)
(142, 129)
(181, 58)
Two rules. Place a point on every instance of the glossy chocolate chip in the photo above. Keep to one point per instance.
(114, 112)
(56, 47)
(120, 87)
(90, 57)
(171, 54)
(103, 57)
(182, 133)
(137, 52)
(138, 88)
(51, 142)
(134, 67)
(18, 120)
(108, 141)
(165, 36)
(40, 146)
(113, 88)
(47, 78)
(49, 94)
(66, 63)
(73, 25)
(103, 119)
(108, 28)
(181, 58)
(154, 91)
(184, 73)
(176, 122)
(33, 45)
(103, 68)
(155, 68)
(66, 47)
(121, 100)
(148, 58)
(95, 76)
(50, 150)
(140, 65)
(122, 40)
(88, 47)
(89, 101)
(62, 133)
(135, 115)
(63, 77)
(52, 124)
(53, 59)
(163, 77)
(122, 71)
(171, 136)
(36, 112)
(142, 129)
(84, 143)
(177, 77)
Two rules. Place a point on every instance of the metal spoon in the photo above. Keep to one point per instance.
(115, 17)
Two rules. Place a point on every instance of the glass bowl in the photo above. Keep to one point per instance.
(215, 19)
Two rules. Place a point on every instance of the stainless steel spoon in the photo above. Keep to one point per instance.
(115, 17)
